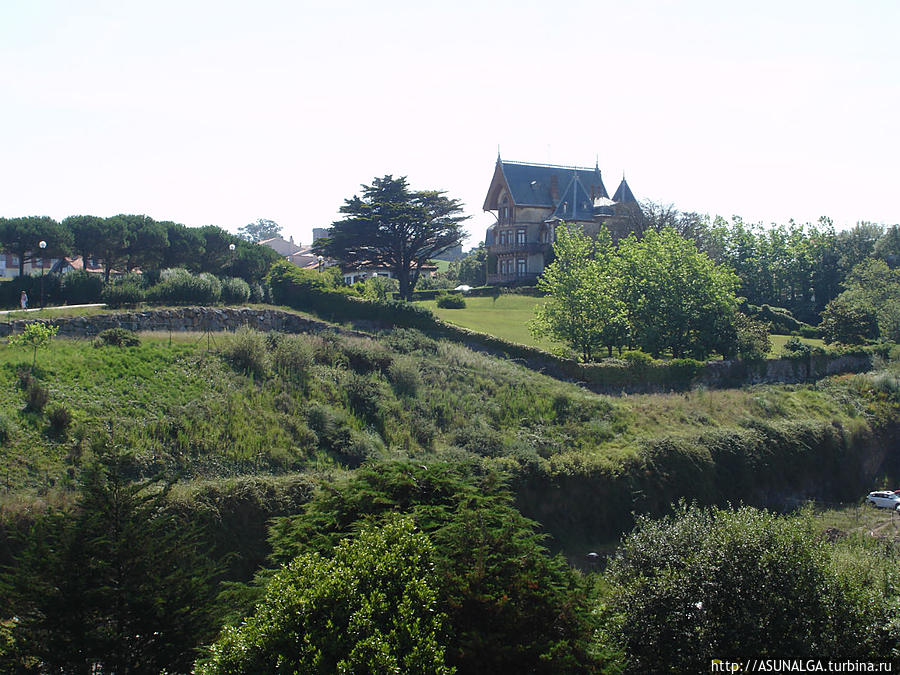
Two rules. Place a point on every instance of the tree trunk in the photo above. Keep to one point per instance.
(403, 278)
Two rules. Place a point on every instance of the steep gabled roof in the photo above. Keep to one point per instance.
(541, 184)
(574, 202)
(624, 195)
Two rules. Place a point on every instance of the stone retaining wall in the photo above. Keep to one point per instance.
(184, 319)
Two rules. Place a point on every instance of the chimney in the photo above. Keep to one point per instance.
(554, 188)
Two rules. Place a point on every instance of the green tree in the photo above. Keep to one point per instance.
(261, 229)
(395, 227)
(471, 269)
(583, 307)
(216, 255)
(22, 236)
(35, 335)
(849, 320)
(370, 608)
(87, 234)
(112, 244)
(185, 249)
(717, 583)
(677, 299)
(115, 585)
(511, 606)
(147, 242)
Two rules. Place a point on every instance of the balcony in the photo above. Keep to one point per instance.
(521, 247)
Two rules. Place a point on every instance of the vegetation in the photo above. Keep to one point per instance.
(36, 335)
(368, 608)
(451, 301)
(116, 584)
(747, 584)
(395, 227)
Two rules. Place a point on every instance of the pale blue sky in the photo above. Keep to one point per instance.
(224, 112)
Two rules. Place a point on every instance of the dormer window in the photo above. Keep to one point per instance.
(504, 210)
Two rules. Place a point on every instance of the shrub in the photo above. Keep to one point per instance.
(179, 287)
(745, 582)
(36, 397)
(451, 301)
(123, 295)
(367, 356)
(60, 419)
(246, 351)
(404, 377)
(258, 293)
(79, 287)
(6, 428)
(117, 337)
(637, 360)
(235, 291)
(293, 357)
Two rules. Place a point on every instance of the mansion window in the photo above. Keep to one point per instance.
(520, 267)
(520, 236)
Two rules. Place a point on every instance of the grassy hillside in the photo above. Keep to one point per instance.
(278, 405)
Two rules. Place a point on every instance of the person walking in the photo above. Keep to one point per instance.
(24, 300)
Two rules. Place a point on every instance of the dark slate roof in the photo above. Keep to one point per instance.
(624, 195)
(575, 202)
(531, 184)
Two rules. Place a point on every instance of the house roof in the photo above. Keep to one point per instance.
(575, 202)
(281, 246)
(623, 194)
(542, 184)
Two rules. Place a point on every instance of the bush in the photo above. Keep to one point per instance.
(235, 291)
(179, 287)
(36, 397)
(60, 419)
(258, 293)
(117, 337)
(744, 583)
(404, 377)
(637, 360)
(293, 357)
(451, 301)
(246, 351)
(79, 287)
(123, 295)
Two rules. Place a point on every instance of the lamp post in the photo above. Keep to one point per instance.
(231, 248)
(321, 261)
(43, 245)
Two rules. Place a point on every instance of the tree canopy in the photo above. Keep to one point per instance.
(261, 229)
(394, 227)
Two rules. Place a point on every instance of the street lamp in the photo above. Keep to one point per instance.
(321, 261)
(231, 248)
(43, 245)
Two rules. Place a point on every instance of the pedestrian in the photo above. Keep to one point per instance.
(24, 300)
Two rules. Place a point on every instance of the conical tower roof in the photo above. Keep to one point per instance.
(624, 195)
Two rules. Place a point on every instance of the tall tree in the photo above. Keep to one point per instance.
(261, 229)
(87, 235)
(583, 306)
(395, 227)
(22, 237)
(676, 297)
(112, 246)
(147, 242)
(116, 585)
(185, 249)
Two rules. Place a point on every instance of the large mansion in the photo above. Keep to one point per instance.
(529, 200)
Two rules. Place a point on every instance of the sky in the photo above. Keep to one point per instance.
(224, 112)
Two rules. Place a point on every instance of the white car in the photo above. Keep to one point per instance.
(884, 499)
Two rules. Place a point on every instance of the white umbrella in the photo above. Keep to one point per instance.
(463, 288)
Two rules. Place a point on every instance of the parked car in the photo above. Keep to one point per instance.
(884, 499)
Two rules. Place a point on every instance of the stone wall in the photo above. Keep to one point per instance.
(184, 319)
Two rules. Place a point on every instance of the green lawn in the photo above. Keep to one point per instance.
(779, 340)
(506, 317)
